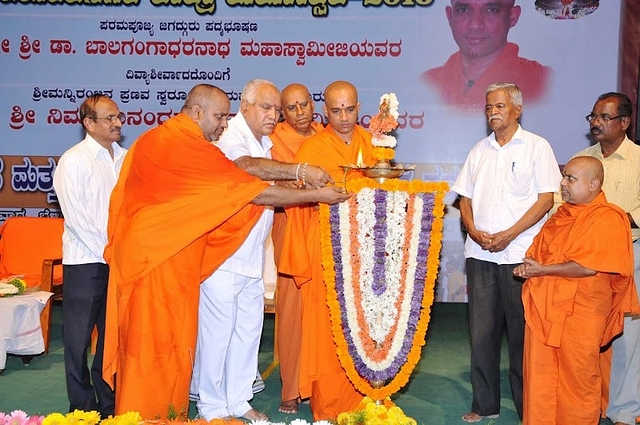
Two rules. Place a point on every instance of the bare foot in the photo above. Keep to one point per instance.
(289, 406)
(254, 415)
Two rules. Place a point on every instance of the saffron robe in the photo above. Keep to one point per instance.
(530, 76)
(286, 142)
(569, 319)
(321, 376)
(179, 209)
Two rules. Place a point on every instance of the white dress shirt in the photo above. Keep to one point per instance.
(503, 182)
(237, 141)
(83, 180)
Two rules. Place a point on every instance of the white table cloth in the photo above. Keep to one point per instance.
(20, 330)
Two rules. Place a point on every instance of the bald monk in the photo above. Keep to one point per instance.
(179, 209)
(298, 126)
(579, 273)
(321, 376)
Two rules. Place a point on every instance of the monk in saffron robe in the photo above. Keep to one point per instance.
(179, 209)
(530, 76)
(288, 136)
(322, 378)
(580, 284)
(480, 28)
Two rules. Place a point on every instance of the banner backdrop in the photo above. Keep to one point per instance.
(147, 54)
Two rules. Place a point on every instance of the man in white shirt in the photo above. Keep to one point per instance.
(608, 124)
(83, 181)
(506, 188)
(232, 299)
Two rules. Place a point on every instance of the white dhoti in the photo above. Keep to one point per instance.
(229, 329)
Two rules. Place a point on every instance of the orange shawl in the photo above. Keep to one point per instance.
(287, 141)
(328, 151)
(596, 236)
(176, 193)
(531, 77)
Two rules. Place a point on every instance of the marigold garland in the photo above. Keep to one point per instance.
(369, 412)
(383, 154)
(403, 375)
(80, 417)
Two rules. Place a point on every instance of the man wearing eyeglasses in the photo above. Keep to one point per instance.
(83, 181)
(608, 124)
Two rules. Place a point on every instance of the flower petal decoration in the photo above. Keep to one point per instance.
(380, 256)
(79, 417)
(369, 412)
(382, 124)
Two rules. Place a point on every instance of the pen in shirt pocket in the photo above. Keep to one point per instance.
(513, 166)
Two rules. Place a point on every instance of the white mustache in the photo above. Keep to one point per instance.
(495, 117)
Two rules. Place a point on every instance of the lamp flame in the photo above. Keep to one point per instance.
(360, 162)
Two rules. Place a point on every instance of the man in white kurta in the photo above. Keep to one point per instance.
(231, 305)
(232, 298)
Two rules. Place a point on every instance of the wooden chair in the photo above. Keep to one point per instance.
(32, 247)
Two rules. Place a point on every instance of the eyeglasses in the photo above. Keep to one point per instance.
(604, 117)
(113, 118)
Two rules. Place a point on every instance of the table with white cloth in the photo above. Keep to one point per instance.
(20, 329)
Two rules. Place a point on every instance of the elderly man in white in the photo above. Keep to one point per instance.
(232, 298)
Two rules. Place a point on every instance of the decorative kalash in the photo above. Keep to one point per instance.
(382, 126)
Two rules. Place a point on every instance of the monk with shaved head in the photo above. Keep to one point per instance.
(322, 378)
(179, 210)
(579, 285)
(288, 136)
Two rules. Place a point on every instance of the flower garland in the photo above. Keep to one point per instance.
(380, 259)
(78, 417)
(369, 412)
(383, 154)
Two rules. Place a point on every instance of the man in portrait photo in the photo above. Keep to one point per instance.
(480, 29)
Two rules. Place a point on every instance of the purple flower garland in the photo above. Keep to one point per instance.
(380, 233)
